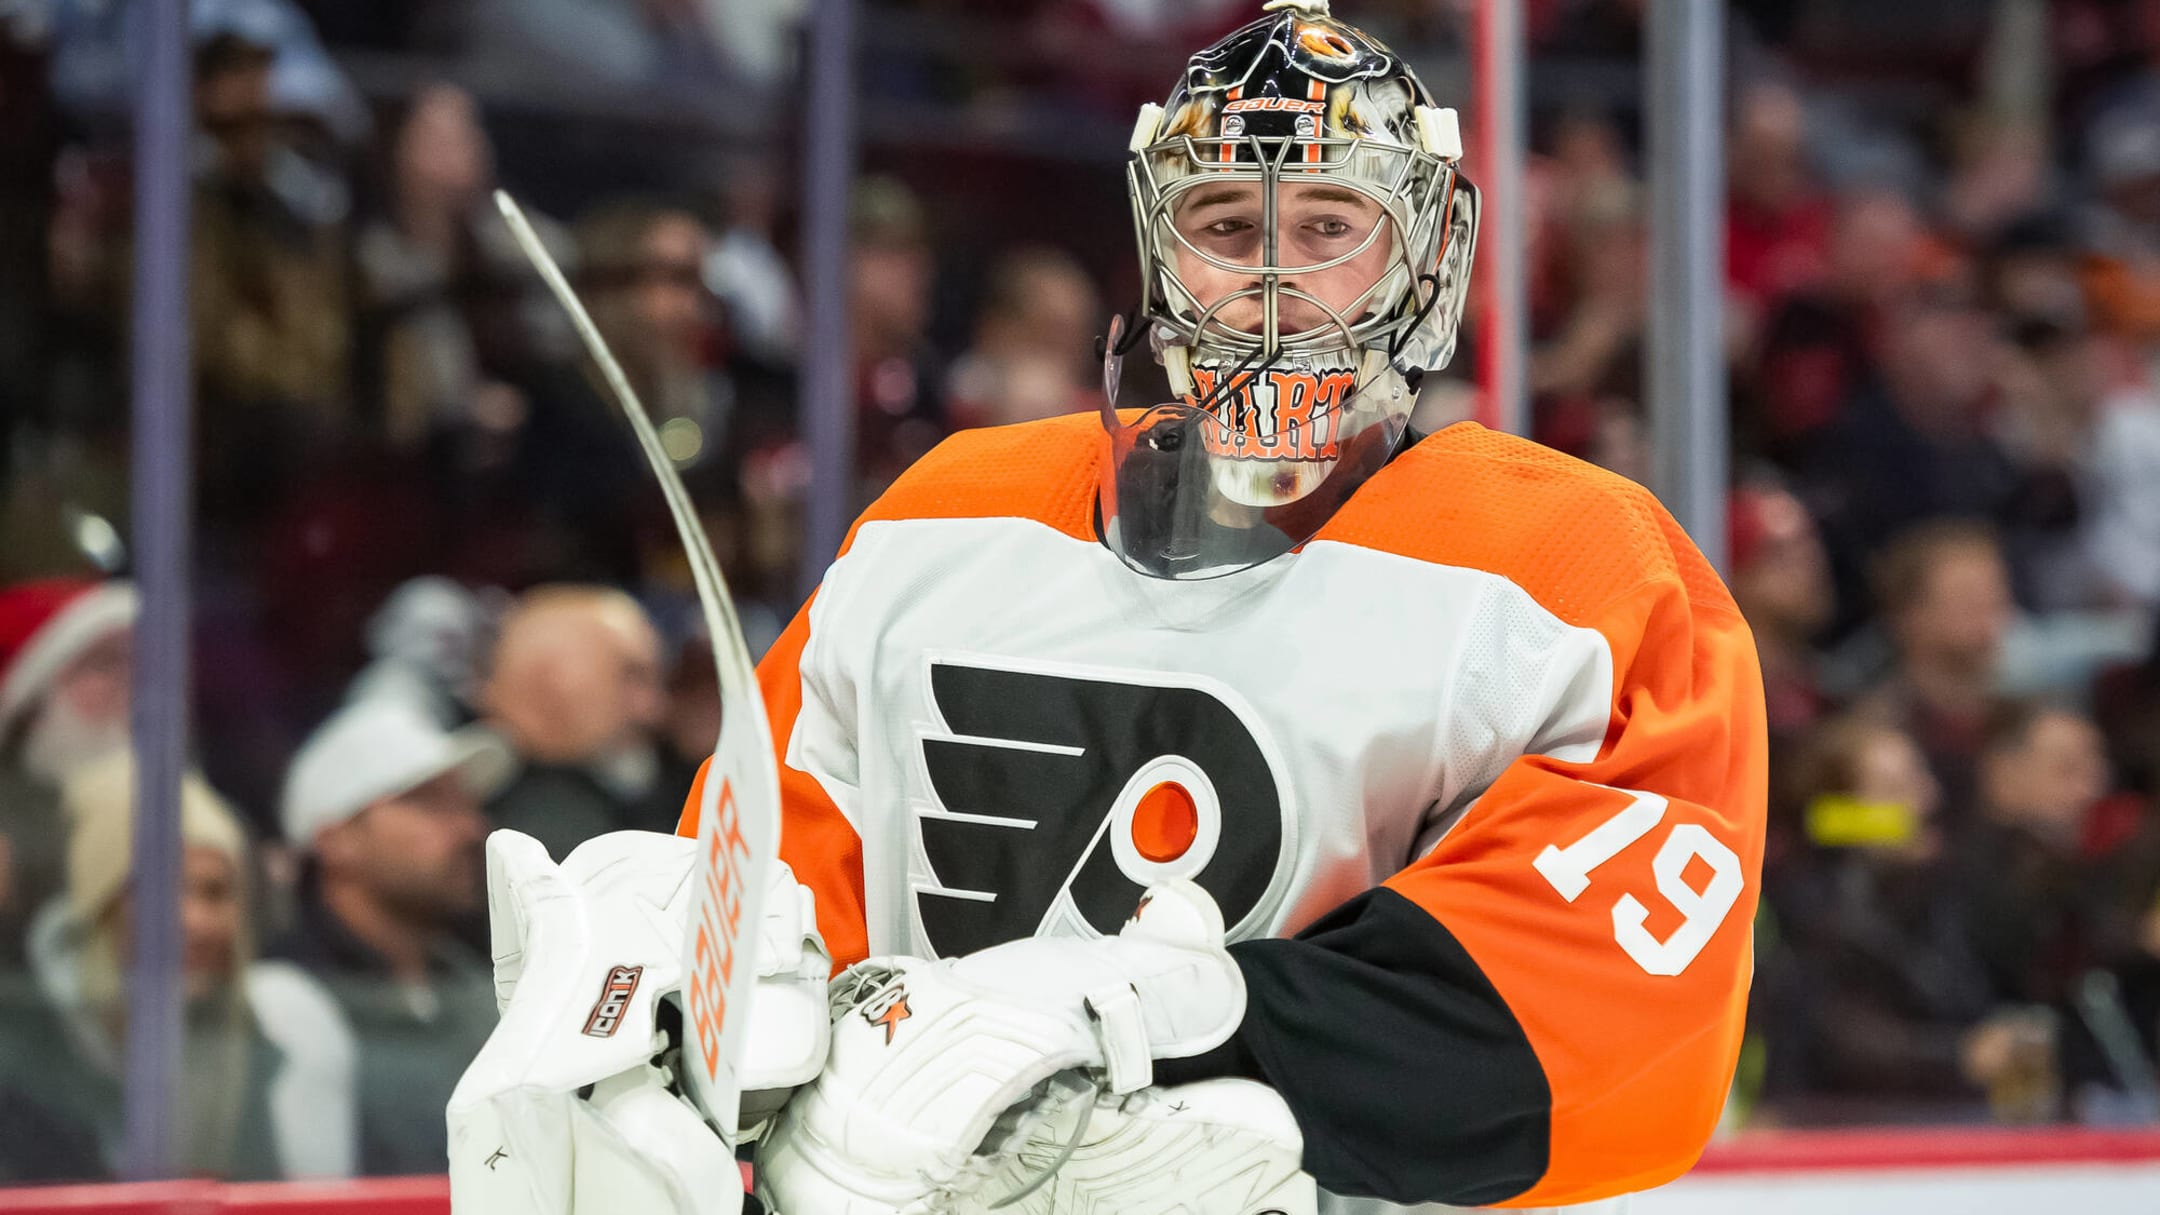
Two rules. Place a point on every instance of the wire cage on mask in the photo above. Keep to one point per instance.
(1411, 187)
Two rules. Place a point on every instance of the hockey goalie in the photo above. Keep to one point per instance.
(1234, 803)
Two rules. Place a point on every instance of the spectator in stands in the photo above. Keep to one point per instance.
(2033, 268)
(271, 303)
(261, 1086)
(2089, 453)
(2122, 221)
(693, 711)
(1584, 169)
(2034, 909)
(274, 326)
(641, 271)
(746, 270)
(1781, 581)
(1882, 256)
(1585, 371)
(426, 645)
(761, 308)
(64, 678)
(98, 57)
(1810, 354)
(1944, 593)
(2058, 910)
(1882, 1009)
(385, 807)
(1034, 343)
(1816, 350)
(644, 267)
(1777, 221)
(447, 300)
(1911, 445)
(898, 375)
(1950, 641)
(576, 688)
(1999, 173)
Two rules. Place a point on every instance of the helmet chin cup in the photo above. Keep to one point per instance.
(1247, 463)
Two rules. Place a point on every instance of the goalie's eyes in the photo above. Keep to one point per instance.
(1230, 237)
(1329, 226)
(1301, 241)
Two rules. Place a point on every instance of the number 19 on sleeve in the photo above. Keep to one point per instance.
(1702, 911)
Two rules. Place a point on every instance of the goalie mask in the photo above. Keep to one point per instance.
(1305, 241)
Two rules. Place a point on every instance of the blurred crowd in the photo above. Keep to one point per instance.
(434, 593)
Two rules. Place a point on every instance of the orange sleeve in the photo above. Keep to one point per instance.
(1546, 1007)
(1637, 1060)
(816, 839)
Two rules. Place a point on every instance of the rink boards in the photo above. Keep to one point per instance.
(1888, 1172)
(1905, 1172)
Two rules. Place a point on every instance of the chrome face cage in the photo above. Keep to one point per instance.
(1410, 186)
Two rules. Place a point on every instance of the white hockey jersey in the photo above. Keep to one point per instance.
(1477, 775)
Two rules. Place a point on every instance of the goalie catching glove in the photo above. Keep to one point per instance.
(929, 1059)
(1213, 1147)
(571, 1105)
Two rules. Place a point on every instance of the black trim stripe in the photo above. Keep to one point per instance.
(1409, 1076)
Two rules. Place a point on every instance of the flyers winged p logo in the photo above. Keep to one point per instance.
(1063, 794)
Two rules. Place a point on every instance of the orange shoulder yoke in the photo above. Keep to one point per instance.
(1573, 535)
(1045, 471)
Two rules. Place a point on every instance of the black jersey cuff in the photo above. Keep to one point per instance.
(1408, 1075)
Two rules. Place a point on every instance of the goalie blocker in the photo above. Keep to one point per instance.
(574, 1103)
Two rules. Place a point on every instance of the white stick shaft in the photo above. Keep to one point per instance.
(704, 569)
(739, 816)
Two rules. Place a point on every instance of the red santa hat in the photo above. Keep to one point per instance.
(47, 624)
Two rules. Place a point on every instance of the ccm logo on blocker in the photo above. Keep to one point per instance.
(615, 996)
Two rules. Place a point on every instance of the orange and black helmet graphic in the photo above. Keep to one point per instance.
(1294, 75)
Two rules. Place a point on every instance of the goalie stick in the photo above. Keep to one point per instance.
(739, 813)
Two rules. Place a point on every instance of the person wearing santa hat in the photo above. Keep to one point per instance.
(65, 648)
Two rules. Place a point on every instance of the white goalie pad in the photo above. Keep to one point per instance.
(602, 936)
(632, 1147)
(789, 1027)
(585, 953)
